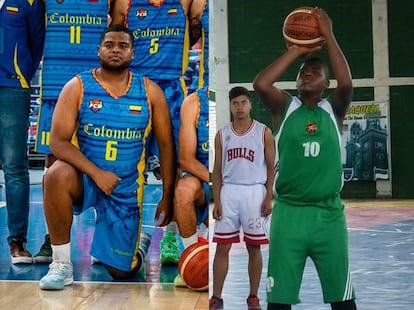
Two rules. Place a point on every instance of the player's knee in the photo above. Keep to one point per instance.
(49, 160)
(120, 274)
(344, 305)
(253, 249)
(184, 195)
(223, 249)
(59, 173)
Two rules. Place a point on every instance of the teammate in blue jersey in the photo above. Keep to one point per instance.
(308, 218)
(192, 189)
(99, 133)
(199, 31)
(22, 33)
(162, 41)
(73, 28)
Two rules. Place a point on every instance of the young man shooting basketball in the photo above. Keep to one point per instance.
(308, 218)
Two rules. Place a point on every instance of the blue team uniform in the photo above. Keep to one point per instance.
(203, 77)
(112, 133)
(73, 30)
(25, 50)
(161, 44)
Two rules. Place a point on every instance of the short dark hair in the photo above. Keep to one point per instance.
(239, 91)
(313, 59)
(118, 28)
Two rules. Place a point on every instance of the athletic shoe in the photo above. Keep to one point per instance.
(44, 256)
(145, 242)
(153, 164)
(179, 282)
(215, 303)
(59, 275)
(144, 245)
(253, 303)
(169, 249)
(19, 253)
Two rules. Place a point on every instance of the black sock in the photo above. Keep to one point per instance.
(344, 305)
(275, 306)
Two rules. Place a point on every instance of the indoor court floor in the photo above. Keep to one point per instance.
(93, 288)
(381, 245)
(381, 241)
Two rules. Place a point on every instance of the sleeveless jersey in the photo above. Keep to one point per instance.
(308, 150)
(202, 126)
(161, 40)
(203, 78)
(73, 30)
(243, 160)
(112, 132)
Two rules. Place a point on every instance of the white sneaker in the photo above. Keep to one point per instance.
(59, 275)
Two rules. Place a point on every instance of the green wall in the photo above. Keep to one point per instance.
(402, 128)
(255, 40)
(255, 34)
(400, 38)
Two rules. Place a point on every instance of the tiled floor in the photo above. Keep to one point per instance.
(381, 241)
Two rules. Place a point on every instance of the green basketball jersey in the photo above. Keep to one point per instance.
(309, 155)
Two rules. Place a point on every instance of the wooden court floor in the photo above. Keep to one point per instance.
(93, 288)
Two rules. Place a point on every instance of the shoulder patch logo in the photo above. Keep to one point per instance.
(311, 128)
(95, 105)
(141, 13)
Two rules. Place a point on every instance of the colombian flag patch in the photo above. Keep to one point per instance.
(172, 12)
(135, 109)
(12, 10)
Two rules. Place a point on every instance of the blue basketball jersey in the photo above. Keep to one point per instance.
(112, 133)
(73, 30)
(203, 78)
(202, 126)
(161, 42)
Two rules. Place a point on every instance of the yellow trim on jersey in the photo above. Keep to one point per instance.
(202, 60)
(141, 179)
(186, 48)
(23, 81)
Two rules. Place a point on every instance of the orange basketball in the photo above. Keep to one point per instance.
(193, 266)
(301, 28)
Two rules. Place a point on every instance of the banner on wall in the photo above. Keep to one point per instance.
(364, 142)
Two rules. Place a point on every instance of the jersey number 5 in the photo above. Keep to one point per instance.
(154, 45)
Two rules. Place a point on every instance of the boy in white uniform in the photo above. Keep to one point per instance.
(243, 176)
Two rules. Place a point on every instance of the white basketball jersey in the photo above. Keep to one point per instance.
(243, 160)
